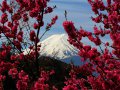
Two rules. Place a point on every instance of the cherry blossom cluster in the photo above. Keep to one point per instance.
(101, 70)
(18, 35)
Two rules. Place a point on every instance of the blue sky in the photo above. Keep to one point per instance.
(79, 11)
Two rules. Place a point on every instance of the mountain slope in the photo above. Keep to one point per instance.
(58, 47)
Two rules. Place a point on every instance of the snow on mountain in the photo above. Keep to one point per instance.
(57, 46)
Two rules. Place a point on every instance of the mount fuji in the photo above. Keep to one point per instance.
(57, 46)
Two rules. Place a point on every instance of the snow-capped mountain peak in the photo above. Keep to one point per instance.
(57, 46)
